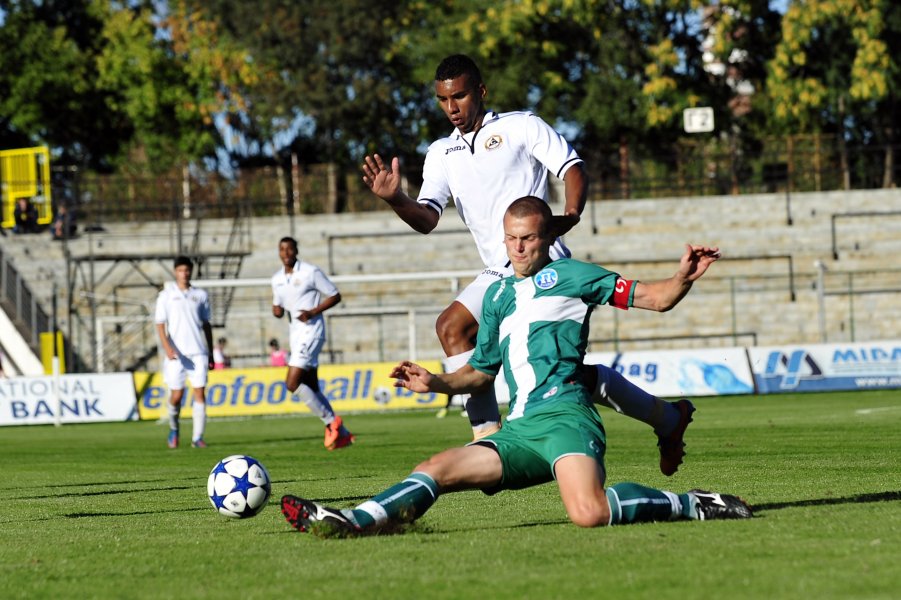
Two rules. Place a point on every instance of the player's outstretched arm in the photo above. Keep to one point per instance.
(665, 294)
(417, 379)
(384, 181)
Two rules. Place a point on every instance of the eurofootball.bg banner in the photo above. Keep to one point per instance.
(262, 391)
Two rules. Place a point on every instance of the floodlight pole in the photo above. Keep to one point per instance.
(58, 404)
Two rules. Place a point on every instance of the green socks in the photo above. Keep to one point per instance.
(633, 503)
(402, 502)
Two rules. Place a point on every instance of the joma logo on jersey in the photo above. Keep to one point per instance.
(546, 279)
(494, 142)
(454, 149)
(793, 365)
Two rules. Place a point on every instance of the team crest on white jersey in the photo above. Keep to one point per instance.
(494, 142)
(546, 279)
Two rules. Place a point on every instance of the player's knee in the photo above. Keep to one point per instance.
(456, 330)
(589, 514)
(450, 334)
(434, 467)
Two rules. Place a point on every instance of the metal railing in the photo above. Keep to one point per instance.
(21, 304)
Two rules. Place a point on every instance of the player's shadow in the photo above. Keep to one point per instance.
(875, 497)
(268, 441)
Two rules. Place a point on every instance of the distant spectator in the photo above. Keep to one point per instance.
(277, 356)
(26, 216)
(221, 360)
(64, 225)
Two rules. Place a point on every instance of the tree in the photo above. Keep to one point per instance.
(46, 90)
(840, 94)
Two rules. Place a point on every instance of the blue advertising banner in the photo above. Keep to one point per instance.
(676, 373)
(826, 367)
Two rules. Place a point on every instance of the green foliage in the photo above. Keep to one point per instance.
(151, 86)
(46, 81)
(815, 94)
(106, 511)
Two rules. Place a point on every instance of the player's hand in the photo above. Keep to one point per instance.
(171, 354)
(411, 376)
(384, 181)
(561, 224)
(696, 260)
(304, 316)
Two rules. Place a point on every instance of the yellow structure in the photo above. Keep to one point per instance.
(47, 352)
(25, 173)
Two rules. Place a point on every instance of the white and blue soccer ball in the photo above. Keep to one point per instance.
(382, 395)
(239, 486)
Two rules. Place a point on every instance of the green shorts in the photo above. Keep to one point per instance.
(531, 445)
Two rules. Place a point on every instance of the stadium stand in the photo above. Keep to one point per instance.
(764, 292)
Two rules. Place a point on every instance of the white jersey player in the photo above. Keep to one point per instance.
(183, 325)
(303, 292)
(487, 162)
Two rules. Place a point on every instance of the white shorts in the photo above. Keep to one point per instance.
(306, 343)
(177, 370)
(473, 294)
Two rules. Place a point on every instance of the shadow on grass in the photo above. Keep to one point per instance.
(876, 497)
(82, 515)
(130, 490)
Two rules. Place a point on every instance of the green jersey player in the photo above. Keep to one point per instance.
(534, 326)
(488, 161)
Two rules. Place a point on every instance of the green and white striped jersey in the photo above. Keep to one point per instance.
(537, 330)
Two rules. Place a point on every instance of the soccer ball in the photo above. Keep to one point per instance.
(239, 486)
(382, 396)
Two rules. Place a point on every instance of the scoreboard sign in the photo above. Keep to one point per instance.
(698, 120)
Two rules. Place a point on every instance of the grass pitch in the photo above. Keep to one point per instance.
(106, 511)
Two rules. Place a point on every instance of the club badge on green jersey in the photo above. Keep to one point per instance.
(546, 279)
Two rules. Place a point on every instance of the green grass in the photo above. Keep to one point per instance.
(107, 511)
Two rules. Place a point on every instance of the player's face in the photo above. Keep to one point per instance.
(461, 101)
(527, 249)
(183, 276)
(287, 253)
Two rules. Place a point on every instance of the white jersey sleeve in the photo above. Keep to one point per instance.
(435, 190)
(322, 283)
(549, 147)
(277, 300)
(160, 312)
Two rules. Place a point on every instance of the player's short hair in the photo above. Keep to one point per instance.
(183, 261)
(456, 65)
(530, 205)
(288, 240)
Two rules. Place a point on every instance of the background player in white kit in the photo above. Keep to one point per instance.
(183, 325)
(487, 162)
(303, 292)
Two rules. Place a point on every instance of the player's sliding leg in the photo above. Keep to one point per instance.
(580, 478)
(668, 419)
(634, 503)
(401, 503)
(470, 467)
